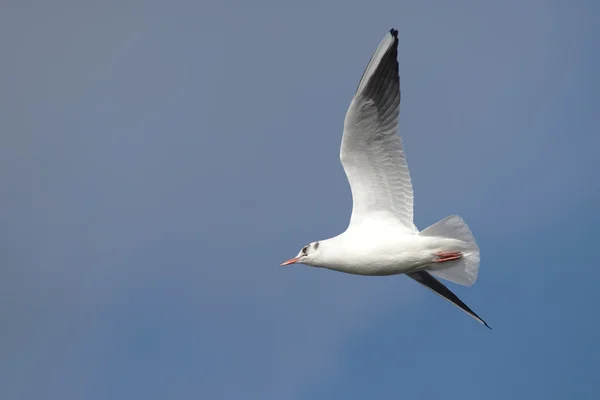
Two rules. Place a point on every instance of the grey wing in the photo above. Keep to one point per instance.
(371, 152)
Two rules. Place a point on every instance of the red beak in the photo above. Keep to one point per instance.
(290, 261)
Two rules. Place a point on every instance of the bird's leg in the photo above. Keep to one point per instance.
(447, 256)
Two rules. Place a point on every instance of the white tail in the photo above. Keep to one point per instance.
(462, 271)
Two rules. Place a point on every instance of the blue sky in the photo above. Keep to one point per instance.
(159, 160)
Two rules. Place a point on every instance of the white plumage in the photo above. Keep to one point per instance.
(371, 151)
(381, 238)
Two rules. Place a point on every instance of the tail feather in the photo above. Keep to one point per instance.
(464, 270)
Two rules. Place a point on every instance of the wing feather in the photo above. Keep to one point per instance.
(371, 152)
(425, 279)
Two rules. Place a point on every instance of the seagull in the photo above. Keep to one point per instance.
(381, 238)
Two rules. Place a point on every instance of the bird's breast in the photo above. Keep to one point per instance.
(369, 256)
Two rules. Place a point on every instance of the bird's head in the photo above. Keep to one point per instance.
(309, 255)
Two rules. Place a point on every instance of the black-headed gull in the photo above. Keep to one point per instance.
(381, 238)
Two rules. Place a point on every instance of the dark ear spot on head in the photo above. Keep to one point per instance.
(316, 245)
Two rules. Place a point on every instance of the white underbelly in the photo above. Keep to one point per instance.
(407, 254)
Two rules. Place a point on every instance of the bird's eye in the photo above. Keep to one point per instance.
(304, 250)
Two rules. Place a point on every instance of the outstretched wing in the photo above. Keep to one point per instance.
(425, 279)
(371, 150)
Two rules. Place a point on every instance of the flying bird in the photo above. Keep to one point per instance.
(381, 238)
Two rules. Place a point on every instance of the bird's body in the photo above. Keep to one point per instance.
(361, 251)
(381, 238)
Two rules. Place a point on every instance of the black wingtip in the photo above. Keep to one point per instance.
(427, 280)
(394, 33)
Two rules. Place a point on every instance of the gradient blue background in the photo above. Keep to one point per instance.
(158, 160)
